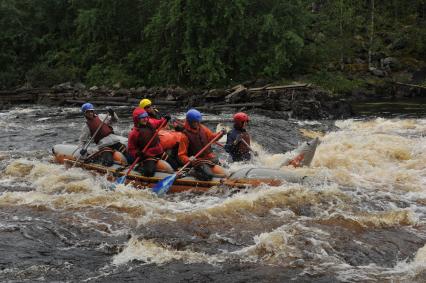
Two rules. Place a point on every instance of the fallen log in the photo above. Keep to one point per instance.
(18, 97)
(105, 98)
(410, 85)
(136, 101)
(98, 102)
(236, 105)
(278, 87)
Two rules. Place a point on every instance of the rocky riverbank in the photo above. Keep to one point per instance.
(301, 101)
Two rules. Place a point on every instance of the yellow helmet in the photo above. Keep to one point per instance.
(144, 103)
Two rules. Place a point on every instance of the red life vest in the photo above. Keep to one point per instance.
(104, 131)
(144, 135)
(197, 141)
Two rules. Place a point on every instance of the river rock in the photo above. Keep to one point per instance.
(378, 73)
(391, 63)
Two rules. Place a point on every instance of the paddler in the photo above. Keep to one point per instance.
(238, 139)
(101, 124)
(146, 104)
(195, 137)
(143, 130)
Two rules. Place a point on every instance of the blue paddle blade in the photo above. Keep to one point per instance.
(120, 180)
(164, 185)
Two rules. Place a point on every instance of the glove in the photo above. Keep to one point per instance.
(167, 117)
(83, 152)
(192, 159)
(110, 112)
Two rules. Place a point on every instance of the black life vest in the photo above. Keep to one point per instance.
(104, 131)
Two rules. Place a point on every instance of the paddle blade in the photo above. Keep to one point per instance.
(120, 180)
(164, 185)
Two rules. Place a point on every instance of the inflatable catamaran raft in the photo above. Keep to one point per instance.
(247, 177)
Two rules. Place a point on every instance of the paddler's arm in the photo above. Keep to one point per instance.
(155, 123)
(84, 135)
(230, 140)
(131, 143)
(209, 133)
(111, 119)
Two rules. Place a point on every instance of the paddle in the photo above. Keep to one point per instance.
(90, 140)
(122, 179)
(164, 185)
(249, 147)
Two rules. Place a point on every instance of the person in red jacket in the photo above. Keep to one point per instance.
(139, 136)
(195, 137)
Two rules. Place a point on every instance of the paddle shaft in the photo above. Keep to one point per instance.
(201, 151)
(145, 148)
(248, 146)
(91, 139)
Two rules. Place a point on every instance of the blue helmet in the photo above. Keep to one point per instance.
(86, 107)
(193, 115)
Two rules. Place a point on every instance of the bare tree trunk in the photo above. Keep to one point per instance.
(371, 35)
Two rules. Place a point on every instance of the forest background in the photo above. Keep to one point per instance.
(337, 44)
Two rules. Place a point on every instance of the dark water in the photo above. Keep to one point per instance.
(407, 108)
(361, 219)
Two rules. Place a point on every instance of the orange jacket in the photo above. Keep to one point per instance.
(169, 139)
(184, 143)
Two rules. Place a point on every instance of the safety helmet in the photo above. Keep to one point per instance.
(87, 107)
(145, 103)
(241, 117)
(143, 115)
(193, 115)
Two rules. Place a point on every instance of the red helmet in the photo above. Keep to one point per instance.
(241, 117)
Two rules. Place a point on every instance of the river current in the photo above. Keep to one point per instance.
(362, 218)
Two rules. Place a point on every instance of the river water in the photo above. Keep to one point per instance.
(361, 219)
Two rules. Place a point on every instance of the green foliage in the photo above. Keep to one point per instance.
(108, 75)
(42, 75)
(202, 43)
(336, 82)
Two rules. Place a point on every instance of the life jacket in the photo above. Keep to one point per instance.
(241, 147)
(197, 140)
(104, 131)
(144, 135)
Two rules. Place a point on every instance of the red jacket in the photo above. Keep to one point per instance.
(135, 138)
(184, 145)
(154, 122)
